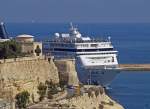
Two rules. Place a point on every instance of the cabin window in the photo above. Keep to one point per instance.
(94, 45)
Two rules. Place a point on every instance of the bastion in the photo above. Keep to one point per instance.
(19, 74)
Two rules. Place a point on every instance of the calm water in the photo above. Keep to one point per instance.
(132, 90)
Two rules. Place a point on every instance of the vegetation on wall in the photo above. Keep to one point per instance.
(22, 99)
(47, 90)
(42, 91)
(52, 89)
(10, 49)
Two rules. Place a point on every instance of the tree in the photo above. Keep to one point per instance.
(10, 49)
(42, 91)
(37, 50)
(22, 99)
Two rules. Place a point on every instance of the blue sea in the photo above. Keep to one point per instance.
(132, 40)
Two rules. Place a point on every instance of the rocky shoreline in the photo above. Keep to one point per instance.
(93, 98)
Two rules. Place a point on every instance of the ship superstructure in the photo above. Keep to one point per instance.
(96, 60)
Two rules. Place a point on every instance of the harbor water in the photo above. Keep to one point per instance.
(130, 89)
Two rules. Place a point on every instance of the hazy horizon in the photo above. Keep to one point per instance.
(78, 11)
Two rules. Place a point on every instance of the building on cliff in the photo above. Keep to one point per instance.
(28, 45)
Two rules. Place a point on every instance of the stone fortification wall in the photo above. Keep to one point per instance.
(21, 74)
(67, 71)
(21, 59)
(26, 73)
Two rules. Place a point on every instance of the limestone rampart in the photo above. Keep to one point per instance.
(21, 59)
(67, 71)
(25, 73)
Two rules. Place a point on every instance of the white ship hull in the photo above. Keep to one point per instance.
(101, 77)
(96, 59)
(95, 75)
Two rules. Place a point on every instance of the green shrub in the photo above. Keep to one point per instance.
(52, 88)
(42, 91)
(10, 49)
(22, 99)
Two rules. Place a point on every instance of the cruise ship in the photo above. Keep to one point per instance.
(95, 59)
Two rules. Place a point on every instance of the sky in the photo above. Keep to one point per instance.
(83, 11)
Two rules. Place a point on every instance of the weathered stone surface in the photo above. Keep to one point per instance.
(92, 102)
(16, 76)
(67, 71)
